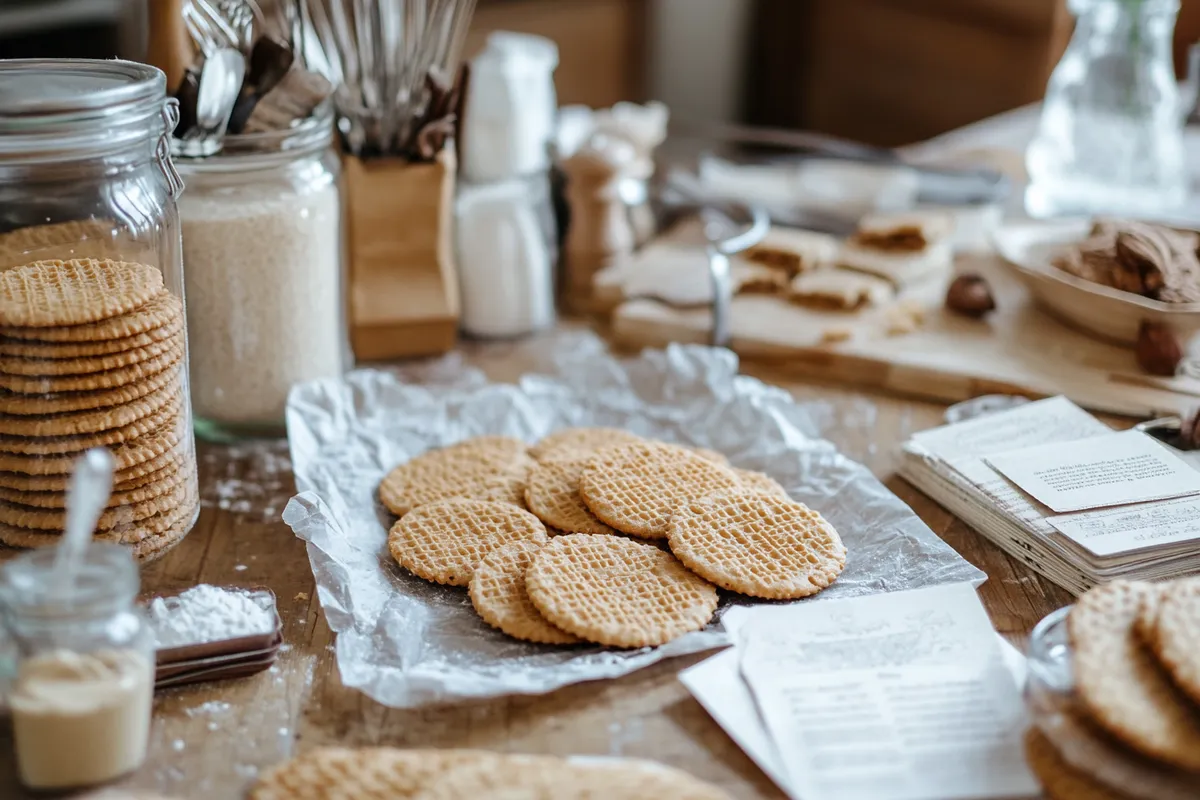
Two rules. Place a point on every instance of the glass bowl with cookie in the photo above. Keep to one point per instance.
(93, 345)
(1113, 693)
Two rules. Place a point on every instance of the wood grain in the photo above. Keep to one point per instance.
(209, 740)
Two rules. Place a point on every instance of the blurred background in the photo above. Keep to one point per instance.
(886, 72)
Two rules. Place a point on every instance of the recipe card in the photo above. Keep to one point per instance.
(1098, 472)
(1114, 531)
(902, 696)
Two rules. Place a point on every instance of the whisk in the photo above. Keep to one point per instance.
(378, 53)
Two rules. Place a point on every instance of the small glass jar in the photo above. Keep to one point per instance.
(82, 695)
(263, 246)
(99, 358)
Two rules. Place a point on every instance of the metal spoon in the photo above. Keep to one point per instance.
(87, 495)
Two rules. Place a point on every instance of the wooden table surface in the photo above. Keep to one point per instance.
(210, 740)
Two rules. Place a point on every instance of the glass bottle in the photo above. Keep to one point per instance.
(263, 245)
(1110, 139)
(86, 174)
(81, 698)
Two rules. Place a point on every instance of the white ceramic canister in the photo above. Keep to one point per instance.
(509, 120)
(505, 257)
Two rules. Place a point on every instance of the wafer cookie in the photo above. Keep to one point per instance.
(130, 532)
(124, 479)
(575, 442)
(163, 309)
(95, 420)
(759, 481)
(757, 543)
(121, 376)
(1119, 682)
(636, 487)
(75, 292)
(443, 542)
(33, 349)
(552, 494)
(378, 773)
(1059, 779)
(616, 591)
(1175, 637)
(469, 469)
(497, 592)
(151, 486)
(30, 365)
(16, 404)
(55, 445)
(126, 455)
(42, 519)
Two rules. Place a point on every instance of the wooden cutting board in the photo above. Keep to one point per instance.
(1019, 349)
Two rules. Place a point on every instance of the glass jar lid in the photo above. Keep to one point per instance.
(54, 107)
(106, 580)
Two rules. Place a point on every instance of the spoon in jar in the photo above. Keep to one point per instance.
(87, 495)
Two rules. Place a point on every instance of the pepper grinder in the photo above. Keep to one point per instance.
(600, 229)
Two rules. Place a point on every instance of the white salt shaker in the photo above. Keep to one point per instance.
(503, 234)
(509, 120)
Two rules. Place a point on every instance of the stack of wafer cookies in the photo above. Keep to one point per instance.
(614, 539)
(92, 354)
(1131, 727)
(383, 773)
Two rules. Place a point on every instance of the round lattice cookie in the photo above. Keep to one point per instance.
(16, 404)
(710, 455)
(57, 445)
(443, 542)
(530, 776)
(1175, 637)
(93, 421)
(334, 773)
(469, 469)
(1119, 682)
(130, 478)
(616, 591)
(576, 442)
(164, 480)
(759, 481)
(164, 309)
(1060, 780)
(125, 455)
(552, 494)
(161, 335)
(121, 376)
(497, 591)
(757, 543)
(635, 488)
(31, 365)
(76, 292)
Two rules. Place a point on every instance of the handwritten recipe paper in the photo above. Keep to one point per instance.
(902, 696)
(1097, 472)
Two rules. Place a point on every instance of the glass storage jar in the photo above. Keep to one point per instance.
(262, 243)
(81, 695)
(93, 345)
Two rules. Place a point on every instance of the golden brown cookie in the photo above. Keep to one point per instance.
(149, 487)
(335, 773)
(443, 542)
(1120, 683)
(710, 455)
(52, 445)
(497, 591)
(129, 478)
(1059, 779)
(31, 349)
(121, 376)
(616, 591)
(469, 469)
(30, 365)
(76, 292)
(43, 519)
(39, 405)
(125, 455)
(839, 290)
(791, 250)
(759, 481)
(552, 494)
(1175, 634)
(573, 442)
(757, 543)
(78, 423)
(636, 487)
(163, 309)
(154, 530)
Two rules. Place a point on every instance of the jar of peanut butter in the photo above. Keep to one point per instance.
(83, 684)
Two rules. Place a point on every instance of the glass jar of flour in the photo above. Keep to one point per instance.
(262, 249)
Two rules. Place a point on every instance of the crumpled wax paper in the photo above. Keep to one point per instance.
(406, 643)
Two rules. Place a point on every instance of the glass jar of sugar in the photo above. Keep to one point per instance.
(262, 244)
(93, 347)
(82, 696)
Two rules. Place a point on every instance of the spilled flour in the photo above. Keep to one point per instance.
(250, 478)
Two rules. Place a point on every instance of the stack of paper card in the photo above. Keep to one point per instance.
(888, 697)
(1059, 490)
